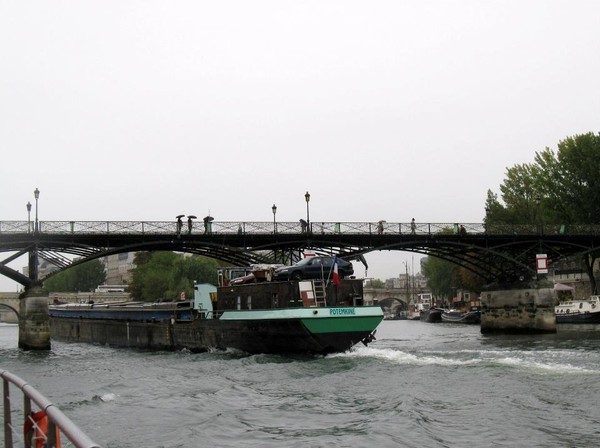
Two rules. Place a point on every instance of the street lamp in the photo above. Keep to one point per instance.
(307, 197)
(274, 209)
(36, 193)
(28, 217)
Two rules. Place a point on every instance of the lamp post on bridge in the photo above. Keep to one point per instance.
(307, 197)
(33, 254)
(36, 194)
(274, 209)
(28, 217)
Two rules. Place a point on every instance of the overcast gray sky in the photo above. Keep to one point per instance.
(142, 110)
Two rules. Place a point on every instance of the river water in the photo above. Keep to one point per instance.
(418, 385)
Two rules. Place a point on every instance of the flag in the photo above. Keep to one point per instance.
(335, 276)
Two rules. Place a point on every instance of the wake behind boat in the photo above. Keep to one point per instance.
(296, 316)
(581, 311)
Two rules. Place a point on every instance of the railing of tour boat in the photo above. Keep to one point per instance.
(58, 423)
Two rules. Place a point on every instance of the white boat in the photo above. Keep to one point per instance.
(580, 311)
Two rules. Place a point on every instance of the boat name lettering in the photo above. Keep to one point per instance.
(341, 311)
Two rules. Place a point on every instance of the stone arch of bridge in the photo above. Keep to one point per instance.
(389, 302)
(4, 305)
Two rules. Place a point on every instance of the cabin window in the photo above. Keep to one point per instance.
(249, 302)
(466, 296)
(239, 302)
(275, 301)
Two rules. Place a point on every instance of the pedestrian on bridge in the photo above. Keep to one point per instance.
(413, 227)
(208, 223)
(179, 225)
(303, 225)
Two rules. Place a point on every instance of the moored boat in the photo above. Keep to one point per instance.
(581, 311)
(473, 316)
(432, 315)
(265, 317)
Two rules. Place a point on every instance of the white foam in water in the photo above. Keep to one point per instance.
(481, 357)
(541, 367)
(108, 397)
(400, 357)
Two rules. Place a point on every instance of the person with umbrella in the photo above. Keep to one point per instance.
(179, 225)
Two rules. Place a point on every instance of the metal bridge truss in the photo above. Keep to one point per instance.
(494, 252)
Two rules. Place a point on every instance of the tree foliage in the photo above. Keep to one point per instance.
(82, 277)
(376, 283)
(160, 275)
(442, 277)
(559, 187)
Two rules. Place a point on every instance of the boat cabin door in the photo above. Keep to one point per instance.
(203, 292)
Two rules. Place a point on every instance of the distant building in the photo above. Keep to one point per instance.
(118, 268)
(44, 268)
(416, 282)
(466, 300)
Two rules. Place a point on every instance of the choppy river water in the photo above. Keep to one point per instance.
(418, 385)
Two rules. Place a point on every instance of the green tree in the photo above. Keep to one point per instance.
(376, 283)
(521, 194)
(443, 277)
(571, 178)
(560, 187)
(82, 277)
(159, 275)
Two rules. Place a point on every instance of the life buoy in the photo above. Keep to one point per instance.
(36, 429)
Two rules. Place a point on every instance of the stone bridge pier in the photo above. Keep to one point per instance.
(522, 310)
(34, 320)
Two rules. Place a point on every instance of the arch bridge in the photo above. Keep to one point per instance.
(494, 252)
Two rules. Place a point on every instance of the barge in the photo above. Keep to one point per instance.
(473, 316)
(305, 316)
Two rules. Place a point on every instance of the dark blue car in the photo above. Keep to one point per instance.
(314, 268)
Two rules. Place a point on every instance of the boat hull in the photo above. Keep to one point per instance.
(578, 318)
(432, 315)
(303, 330)
(471, 317)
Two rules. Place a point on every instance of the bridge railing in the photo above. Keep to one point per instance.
(315, 227)
(58, 423)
